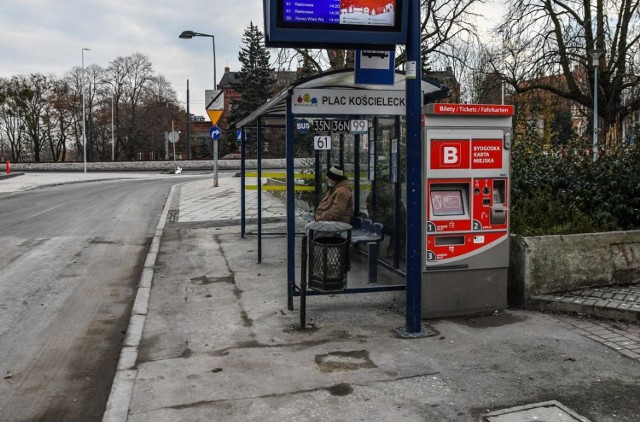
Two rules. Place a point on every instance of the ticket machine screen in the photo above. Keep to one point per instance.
(447, 202)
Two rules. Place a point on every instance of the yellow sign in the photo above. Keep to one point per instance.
(214, 115)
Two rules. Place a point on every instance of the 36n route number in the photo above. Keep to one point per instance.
(335, 126)
(322, 142)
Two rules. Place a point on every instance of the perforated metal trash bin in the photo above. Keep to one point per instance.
(328, 256)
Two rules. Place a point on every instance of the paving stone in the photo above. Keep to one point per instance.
(607, 296)
(617, 339)
(612, 345)
(619, 296)
(602, 303)
(609, 336)
(630, 354)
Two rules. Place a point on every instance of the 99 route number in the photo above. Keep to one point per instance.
(359, 126)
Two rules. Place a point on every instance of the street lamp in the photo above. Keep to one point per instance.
(84, 120)
(186, 35)
(595, 61)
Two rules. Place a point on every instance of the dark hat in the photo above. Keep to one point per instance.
(336, 173)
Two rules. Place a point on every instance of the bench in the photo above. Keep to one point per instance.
(365, 231)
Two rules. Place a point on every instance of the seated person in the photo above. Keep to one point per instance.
(337, 204)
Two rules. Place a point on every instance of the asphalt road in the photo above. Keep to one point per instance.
(70, 259)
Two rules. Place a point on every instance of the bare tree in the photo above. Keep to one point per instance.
(13, 131)
(132, 75)
(443, 22)
(59, 118)
(446, 26)
(547, 46)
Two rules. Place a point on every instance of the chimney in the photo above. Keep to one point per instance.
(226, 69)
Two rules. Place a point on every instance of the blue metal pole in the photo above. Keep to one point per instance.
(291, 222)
(414, 174)
(259, 159)
(243, 184)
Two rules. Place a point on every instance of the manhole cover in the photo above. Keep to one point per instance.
(543, 412)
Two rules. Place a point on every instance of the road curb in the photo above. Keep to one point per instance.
(117, 409)
(566, 302)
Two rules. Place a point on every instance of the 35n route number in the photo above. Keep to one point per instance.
(335, 126)
(322, 142)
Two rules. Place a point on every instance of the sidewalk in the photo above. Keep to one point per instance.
(211, 339)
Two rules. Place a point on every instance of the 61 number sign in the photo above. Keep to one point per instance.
(322, 142)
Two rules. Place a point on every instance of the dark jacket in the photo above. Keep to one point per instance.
(337, 204)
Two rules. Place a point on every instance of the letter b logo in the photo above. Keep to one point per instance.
(450, 156)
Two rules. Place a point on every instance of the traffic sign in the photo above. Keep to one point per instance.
(214, 99)
(214, 104)
(215, 132)
(171, 136)
(239, 135)
(214, 116)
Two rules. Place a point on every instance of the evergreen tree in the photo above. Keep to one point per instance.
(254, 81)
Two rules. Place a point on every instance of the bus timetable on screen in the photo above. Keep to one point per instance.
(341, 12)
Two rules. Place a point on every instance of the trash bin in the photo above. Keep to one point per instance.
(328, 255)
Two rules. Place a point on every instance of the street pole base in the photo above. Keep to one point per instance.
(425, 331)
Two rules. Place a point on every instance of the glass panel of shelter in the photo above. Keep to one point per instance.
(380, 191)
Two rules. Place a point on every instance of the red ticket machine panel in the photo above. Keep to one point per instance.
(490, 204)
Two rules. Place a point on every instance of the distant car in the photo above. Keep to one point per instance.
(232, 156)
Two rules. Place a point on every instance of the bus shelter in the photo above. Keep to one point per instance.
(364, 126)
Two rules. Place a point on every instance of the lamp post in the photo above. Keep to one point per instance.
(188, 35)
(84, 120)
(595, 61)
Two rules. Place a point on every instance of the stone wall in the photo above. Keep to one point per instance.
(154, 165)
(548, 264)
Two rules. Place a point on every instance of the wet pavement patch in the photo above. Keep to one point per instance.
(490, 321)
(344, 361)
(209, 280)
(544, 411)
(342, 389)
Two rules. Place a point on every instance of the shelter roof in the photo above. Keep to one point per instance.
(338, 79)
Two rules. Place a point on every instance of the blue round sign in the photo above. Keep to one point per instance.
(215, 132)
(303, 126)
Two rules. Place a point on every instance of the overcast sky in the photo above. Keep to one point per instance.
(47, 36)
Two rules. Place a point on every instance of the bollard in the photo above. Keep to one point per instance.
(8, 166)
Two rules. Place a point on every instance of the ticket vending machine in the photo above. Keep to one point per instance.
(465, 208)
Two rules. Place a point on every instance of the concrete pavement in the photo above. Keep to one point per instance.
(211, 338)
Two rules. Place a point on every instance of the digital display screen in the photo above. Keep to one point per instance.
(356, 13)
(344, 24)
(447, 202)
